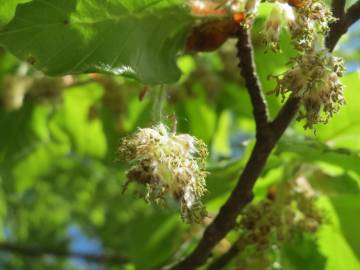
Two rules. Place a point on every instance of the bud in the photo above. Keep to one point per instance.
(269, 224)
(251, 6)
(273, 28)
(169, 165)
(14, 89)
(250, 9)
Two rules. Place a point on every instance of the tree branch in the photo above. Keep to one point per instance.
(242, 193)
(267, 137)
(353, 14)
(248, 72)
(226, 218)
(284, 117)
(220, 262)
(35, 251)
(338, 9)
(341, 26)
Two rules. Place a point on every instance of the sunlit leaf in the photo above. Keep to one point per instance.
(139, 39)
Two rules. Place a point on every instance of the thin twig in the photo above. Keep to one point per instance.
(284, 117)
(252, 83)
(341, 26)
(220, 262)
(353, 14)
(36, 251)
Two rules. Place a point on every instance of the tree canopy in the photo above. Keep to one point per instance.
(78, 77)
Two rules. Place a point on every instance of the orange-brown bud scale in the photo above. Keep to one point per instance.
(210, 35)
(296, 3)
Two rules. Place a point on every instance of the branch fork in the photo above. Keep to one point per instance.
(268, 134)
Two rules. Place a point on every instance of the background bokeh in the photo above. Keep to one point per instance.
(61, 179)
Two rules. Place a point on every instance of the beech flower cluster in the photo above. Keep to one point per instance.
(305, 20)
(314, 77)
(290, 210)
(168, 165)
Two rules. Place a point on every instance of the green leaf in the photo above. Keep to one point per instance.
(18, 136)
(310, 150)
(7, 10)
(153, 239)
(348, 207)
(221, 180)
(139, 39)
(302, 253)
(221, 141)
(335, 185)
(86, 134)
(3, 210)
(332, 243)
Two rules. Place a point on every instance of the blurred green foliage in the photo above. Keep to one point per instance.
(59, 167)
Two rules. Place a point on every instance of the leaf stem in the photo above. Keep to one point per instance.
(159, 95)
